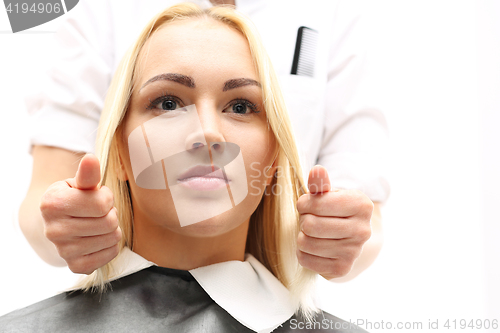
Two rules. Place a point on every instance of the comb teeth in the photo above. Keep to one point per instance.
(305, 52)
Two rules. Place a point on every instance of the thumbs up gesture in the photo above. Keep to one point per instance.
(334, 225)
(79, 218)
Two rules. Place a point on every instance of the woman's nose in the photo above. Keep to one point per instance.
(210, 131)
(215, 146)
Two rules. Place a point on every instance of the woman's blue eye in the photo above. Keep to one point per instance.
(240, 108)
(168, 104)
(165, 103)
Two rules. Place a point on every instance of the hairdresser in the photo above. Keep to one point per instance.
(318, 53)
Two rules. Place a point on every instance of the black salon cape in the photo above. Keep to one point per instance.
(155, 299)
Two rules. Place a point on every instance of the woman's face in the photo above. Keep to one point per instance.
(206, 64)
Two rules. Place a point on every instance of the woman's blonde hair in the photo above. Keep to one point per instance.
(274, 225)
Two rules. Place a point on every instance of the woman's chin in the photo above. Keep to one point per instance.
(212, 227)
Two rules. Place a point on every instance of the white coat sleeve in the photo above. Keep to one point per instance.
(65, 111)
(354, 146)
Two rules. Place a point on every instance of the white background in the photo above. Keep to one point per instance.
(438, 76)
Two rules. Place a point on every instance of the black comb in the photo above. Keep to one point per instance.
(305, 52)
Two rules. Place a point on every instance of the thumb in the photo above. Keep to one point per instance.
(318, 181)
(88, 174)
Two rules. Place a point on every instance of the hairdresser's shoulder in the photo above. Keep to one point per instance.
(323, 322)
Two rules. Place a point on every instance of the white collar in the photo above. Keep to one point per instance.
(247, 290)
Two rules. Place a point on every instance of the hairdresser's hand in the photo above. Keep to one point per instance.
(79, 218)
(334, 225)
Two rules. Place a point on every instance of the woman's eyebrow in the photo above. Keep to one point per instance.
(236, 83)
(179, 78)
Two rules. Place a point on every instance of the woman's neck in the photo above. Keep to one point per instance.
(168, 248)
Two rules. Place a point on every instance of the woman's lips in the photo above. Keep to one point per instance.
(203, 183)
(203, 178)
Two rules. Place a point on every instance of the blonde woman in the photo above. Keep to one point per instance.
(236, 271)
